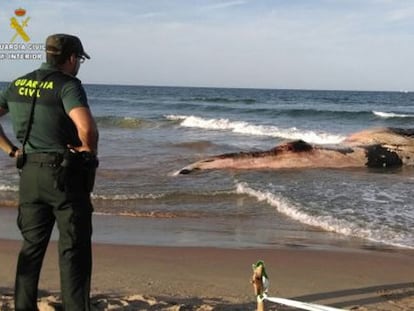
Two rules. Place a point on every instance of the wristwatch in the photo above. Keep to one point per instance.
(12, 153)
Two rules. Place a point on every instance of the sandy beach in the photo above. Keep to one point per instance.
(175, 278)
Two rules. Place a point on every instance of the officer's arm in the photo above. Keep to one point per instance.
(5, 144)
(87, 129)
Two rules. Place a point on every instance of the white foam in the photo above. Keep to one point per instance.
(126, 197)
(9, 188)
(392, 115)
(327, 223)
(257, 130)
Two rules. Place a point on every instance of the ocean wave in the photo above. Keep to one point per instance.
(111, 99)
(327, 223)
(243, 127)
(387, 115)
(218, 99)
(182, 196)
(123, 122)
(150, 214)
(127, 197)
(323, 113)
(166, 205)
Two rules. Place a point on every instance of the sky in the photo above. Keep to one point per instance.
(276, 44)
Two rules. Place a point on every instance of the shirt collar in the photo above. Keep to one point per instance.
(47, 66)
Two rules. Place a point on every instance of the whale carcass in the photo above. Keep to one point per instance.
(378, 147)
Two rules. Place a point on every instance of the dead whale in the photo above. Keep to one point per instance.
(378, 147)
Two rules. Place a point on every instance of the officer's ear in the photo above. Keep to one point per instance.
(71, 65)
(73, 58)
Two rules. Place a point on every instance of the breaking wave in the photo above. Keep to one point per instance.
(247, 128)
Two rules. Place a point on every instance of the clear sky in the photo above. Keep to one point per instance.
(298, 44)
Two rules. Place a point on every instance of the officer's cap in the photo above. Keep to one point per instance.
(65, 44)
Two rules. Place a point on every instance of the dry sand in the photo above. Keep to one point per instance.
(163, 278)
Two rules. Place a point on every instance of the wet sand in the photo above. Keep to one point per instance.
(194, 278)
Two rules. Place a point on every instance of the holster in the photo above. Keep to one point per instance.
(77, 172)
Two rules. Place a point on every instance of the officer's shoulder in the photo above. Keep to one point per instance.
(25, 76)
(69, 77)
(67, 80)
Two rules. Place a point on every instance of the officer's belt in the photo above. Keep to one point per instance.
(44, 158)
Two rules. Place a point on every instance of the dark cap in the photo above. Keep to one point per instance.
(64, 44)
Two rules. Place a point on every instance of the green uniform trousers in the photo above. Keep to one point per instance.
(41, 204)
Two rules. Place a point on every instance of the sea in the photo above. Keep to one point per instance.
(148, 133)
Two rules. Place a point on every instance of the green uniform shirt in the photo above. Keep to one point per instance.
(56, 94)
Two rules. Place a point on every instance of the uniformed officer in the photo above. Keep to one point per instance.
(57, 161)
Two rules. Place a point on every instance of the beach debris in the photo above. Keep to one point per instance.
(260, 283)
